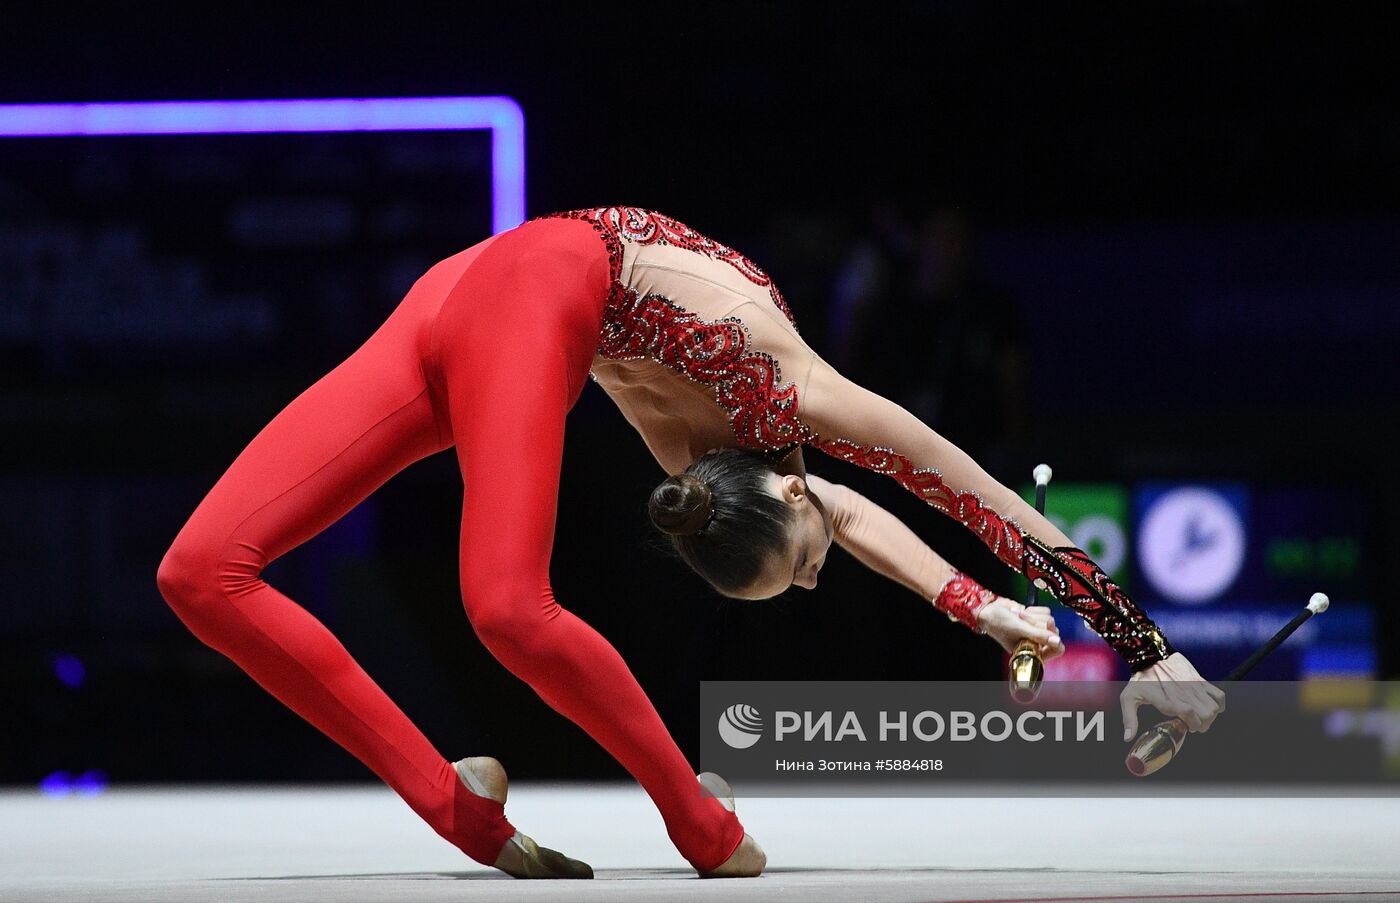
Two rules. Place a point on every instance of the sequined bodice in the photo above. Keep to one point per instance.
(675, 311)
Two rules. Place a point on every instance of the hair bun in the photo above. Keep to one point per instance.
(681, 505)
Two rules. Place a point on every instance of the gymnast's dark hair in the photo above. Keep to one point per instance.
(722, 519)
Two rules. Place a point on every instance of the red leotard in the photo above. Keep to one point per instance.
(486, 354)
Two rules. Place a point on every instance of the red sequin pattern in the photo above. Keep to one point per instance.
(1073, 578)
(747, 383)
(647, 227)
(996, 532)
(962, 598)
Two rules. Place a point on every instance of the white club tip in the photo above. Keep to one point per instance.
(1042, 474)
(1318, 603)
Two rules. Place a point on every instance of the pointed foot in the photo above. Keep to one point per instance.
(521, 857)
(748, 859)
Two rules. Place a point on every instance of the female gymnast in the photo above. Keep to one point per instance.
(486, 354)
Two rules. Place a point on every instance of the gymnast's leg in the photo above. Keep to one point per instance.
(512, 347)
(332, 446)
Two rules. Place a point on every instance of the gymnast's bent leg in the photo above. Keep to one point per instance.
(512, 347)
(333, 445)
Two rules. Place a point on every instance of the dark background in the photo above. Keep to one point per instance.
(1189, 213)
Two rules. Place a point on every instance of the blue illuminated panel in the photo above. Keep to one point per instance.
(1220, 567)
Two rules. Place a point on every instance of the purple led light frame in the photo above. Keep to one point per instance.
(501, 115)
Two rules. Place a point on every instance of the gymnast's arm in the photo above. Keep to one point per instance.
(850, 421)
(881, 541)
(886, 545)
(861, 427)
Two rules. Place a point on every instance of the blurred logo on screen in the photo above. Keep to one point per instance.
(1191, 543)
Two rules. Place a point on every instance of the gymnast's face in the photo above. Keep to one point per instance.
(798, 562)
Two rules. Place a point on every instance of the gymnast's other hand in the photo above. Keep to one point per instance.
(1009, 622)
(1173, 687)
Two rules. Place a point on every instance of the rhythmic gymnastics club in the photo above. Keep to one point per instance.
(1027, 670)
(1154, 749)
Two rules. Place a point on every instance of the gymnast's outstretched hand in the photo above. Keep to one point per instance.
(1009, 622)
(1173, 687)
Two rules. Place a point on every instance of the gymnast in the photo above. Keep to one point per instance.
(486, 354)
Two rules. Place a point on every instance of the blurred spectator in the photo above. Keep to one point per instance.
(914, 319)
(802, 249)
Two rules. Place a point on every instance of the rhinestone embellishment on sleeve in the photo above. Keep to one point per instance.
(1069, 574)
(961, 598)
(997, 533)
(1073, 578)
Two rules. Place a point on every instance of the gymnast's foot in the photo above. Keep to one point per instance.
(521, 857)
(747, 860)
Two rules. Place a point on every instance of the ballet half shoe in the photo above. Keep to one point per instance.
(748, 859)
(521, 857)
(718, 788)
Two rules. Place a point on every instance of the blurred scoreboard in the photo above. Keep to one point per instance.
(1220, 567)
(181, 252)
(160, 297)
